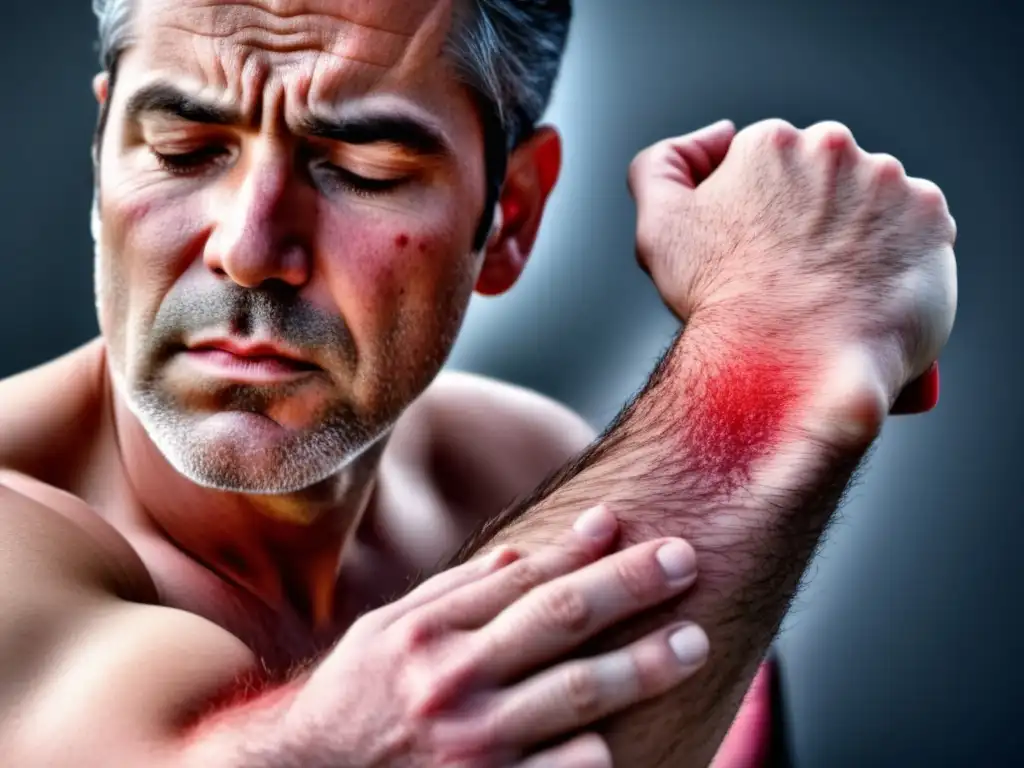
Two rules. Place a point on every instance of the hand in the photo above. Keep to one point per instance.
(473, 668)
(800, 235)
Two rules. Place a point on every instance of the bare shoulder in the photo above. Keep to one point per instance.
(48, 422)
(485, 442)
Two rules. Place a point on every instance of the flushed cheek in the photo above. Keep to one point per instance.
(403, 291)
(383, 265)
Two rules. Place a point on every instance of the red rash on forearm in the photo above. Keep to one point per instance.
(738, 413)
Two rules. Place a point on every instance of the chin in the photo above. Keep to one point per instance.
(250, 453)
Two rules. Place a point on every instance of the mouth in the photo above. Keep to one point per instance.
(260, 363)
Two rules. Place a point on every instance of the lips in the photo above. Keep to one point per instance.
(254, 353)
(229, 358)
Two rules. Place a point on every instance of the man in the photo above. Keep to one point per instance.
(211, 506)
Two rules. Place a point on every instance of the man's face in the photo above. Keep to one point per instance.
(283, 179)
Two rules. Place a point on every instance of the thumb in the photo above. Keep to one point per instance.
(683, 161)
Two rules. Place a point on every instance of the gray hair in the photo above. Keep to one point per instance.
(507, 51)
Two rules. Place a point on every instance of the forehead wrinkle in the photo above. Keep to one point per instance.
(255, 39)
(305, 32)
(291, 9)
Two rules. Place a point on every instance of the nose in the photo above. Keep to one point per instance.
(261, 226)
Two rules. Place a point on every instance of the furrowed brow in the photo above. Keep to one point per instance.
(168, 100)
(407, 132)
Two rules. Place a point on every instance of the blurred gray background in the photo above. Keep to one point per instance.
(904, 648)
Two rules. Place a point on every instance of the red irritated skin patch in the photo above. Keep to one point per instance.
(249, 694)
(739, 413)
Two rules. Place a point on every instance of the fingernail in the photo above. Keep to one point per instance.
(678, 560)
(690, 645)
(596, 523)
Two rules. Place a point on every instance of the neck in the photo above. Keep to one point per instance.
(284, 549)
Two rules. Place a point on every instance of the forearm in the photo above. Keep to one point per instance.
(740, 447)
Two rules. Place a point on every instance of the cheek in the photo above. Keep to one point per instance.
(403, 287)
(145, 244)
(390, 270)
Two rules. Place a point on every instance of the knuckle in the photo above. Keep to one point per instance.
(564, 608)
(831, 137)
(501, 556)
(582, 693)
(413, 634)
(887, 168)
(929, 195)
(777, 133)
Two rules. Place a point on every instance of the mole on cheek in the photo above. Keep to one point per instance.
(739, 412)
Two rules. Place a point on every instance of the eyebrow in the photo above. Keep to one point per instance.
(166, 99)
(412, 134)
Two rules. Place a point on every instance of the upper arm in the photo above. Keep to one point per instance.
(86, 677)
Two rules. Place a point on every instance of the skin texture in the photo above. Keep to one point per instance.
(739, 416)
(142, 490)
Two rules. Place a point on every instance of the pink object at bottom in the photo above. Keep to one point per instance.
(749, 740)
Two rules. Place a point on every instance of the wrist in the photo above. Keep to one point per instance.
(787, 378)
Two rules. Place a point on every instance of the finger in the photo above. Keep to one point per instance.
(448, 581)
(556, 618)
(687, 160)
(586, 751)
(477, 603)
(578, 693)
(919, 396)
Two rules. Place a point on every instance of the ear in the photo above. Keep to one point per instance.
(533, 170)
(101, 87)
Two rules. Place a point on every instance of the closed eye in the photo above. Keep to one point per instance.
(358, 183)
(188, 162)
